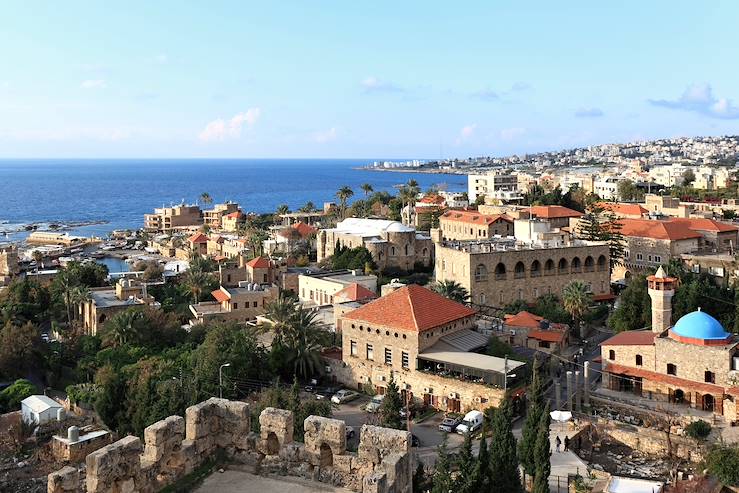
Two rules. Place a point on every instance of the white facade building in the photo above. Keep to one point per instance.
(40, 409)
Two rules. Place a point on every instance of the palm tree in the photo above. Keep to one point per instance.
(344, 194)
(205, 198)
(304, 343)
(308, 207)
(79, 295)
(196, 281)
(576, 299)
(452, 290)
(407, 196)
(367, 189)
(66, 283)
(39, 258)
(282, 209)
(280, 313)
(123, 327)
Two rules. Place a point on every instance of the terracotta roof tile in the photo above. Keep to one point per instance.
(354, 292)
(704, 224)
(547, 335)
(631, 338)
(220, 295)
(552, 211)
(474, 217)
(658, 230)
(618, 208)
(668, 379)
(304, 229)
(198, 238)
(413, 308)
(524, 319)
(259, 263)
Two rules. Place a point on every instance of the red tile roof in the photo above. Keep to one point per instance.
(704, 224)
(552, 211)
(413, 308)
(259, 263)
(524, 319)
(657, 230)
(474, 217)
(626, 209)
(198, 238)
(355, 292)
(547, 335)
(631, 338)
(433, 199)
(662, 378)
(304, 229)
(220, 295)
(235, 215)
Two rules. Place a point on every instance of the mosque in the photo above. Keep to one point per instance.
(694, 362)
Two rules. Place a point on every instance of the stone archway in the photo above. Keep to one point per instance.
(273, 444)
(708, 402)
(678, 396)
(326, 458)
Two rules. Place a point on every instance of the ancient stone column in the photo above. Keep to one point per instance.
(577, 391)
(557, 394)
(570, 391)
(586, 383)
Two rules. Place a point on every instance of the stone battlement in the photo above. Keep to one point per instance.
(175, 446)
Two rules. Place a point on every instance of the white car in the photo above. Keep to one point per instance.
(375, 404)
(472, 422)
(343, 396)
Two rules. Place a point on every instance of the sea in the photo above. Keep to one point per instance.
(96, 196)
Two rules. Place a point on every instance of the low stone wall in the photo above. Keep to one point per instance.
(174, 447)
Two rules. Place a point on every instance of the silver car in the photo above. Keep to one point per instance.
(343, 396)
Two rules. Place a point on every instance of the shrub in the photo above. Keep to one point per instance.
(723, 462)
(698, 429)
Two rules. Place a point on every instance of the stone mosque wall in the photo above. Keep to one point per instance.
(175, 446)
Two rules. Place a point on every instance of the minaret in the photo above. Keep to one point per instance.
(661, 290)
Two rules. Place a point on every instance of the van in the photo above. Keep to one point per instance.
(472, 422)
(374, 404)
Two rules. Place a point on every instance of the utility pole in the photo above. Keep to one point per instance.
(220, 379)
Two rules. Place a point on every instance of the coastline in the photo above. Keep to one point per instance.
(413, 170)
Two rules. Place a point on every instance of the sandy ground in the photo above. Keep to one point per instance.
(231, 481)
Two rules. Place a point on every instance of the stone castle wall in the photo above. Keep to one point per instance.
(175, 446)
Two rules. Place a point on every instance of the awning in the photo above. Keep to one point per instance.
(470, 360)
(465, 340)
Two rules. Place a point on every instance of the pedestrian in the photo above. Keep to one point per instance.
(567, 443)
(558, 443)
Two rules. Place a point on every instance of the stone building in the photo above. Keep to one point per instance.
(320, 288)
(241, 304)
(8, 263)
(427, 342)
(392, 244)
(693, 362)
(105, 302)
(556, 215)
(471, 225)
(500, 271)
(624, 210)
(532, 331)
(166, 219)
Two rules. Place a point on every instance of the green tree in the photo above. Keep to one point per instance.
(542, 453)
(464, 481)
(627, 190)
(723, 462)
(615, 239)
(11, 397)
(367, 189)
(634, 309)
(452, 290)
(503, 458)
(442, 478)
(535, 408)
(21, 349)
(124, 328)
(308, 207)
(344, 194)
(481, 476)
(198, 281)
(205, 198)
(589, 227)
(391, 407)
(420, 480)
(688, 177)
(499, 348)
(576, 299)
(282, 209)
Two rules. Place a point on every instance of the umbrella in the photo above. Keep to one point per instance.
(561, 416)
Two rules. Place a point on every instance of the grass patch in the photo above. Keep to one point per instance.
(196, 477)
(423, 417)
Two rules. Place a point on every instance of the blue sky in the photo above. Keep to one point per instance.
(360, 79)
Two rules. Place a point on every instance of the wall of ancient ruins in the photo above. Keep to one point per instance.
(175, 446)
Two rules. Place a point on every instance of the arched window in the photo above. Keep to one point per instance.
(576, 267)
(392, 251)
(481, 273)
(519, 271)
(589, 264)
(562, 266)
(549, 267)
(535, 268)
(601, 263)
(611, 354)
(638, 360)
(500, 272)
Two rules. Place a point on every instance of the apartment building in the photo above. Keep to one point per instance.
(166, 219)
(213, 217)
(493, 183)
(556, 215)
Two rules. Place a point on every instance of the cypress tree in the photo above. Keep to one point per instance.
(481, 473)
(535, 396)
(542, 453)
(419, 479)
(464, 481)
(391, 406)
(442, 479)
(503, 460)
(589, 227)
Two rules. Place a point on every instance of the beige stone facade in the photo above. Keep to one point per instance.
(471, 225)
(213, 217)
(499, 275)
(165, 219)
(241, 304)
(105, 302)
(8, 263)
(320, 288)
(392, 244)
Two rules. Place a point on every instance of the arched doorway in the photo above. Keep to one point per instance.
(708, 402)
(678, 396)
(327, 456)
(273, 444)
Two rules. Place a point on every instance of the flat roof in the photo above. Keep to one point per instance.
(631, 485)
(107, 298)
(40, 403)
(471, 360)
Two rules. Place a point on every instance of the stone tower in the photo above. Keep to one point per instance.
(661, 290)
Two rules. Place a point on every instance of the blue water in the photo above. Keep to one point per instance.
(122, 191)
(114, 264)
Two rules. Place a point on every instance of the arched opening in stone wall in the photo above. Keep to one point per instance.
(326, 457)
(678, 396)
(708, 402)
(273, 444)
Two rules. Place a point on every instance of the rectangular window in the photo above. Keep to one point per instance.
(658, 259)
(405, 360)
(353, 348)
(710, 377)
(388, 356)
(639, 256)
(671, 369)
(370, 352)
(255, 304)
(236, 305)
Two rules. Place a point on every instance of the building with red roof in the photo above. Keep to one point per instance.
(532, 331)
(624, 210)
(558, 216)
(472, 225)
(321, 288)
(198, 243)
(430, 344)
(354, 292)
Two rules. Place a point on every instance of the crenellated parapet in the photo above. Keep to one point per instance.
(175, 446)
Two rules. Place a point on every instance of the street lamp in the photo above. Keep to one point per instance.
(220, 379)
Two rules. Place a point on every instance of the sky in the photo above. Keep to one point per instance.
(344, 79)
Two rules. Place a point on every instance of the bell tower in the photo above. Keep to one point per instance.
(661, 290)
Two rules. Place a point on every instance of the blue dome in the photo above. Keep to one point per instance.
(699, 325)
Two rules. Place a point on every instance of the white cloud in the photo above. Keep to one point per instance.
(373, 84)
(93, 84)
(509, 134)
(466, 133)
(589, 113)
(220, 129)
(325, 136)
(699, 98)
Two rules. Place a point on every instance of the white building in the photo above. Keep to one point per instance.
(490, 183)
(40, 409)
(606, 188)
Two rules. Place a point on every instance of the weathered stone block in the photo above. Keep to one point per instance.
(375, 443)
(276, 429)
(343, 463)
(375, 483)
(320, 431)
(65, 480)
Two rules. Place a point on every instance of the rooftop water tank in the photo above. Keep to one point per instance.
(60, 414)
(73, 434)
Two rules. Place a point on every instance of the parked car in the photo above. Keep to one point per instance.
(326, 392)
(449, 424)
(407, 413)
(472, 422)
(349, 432)
(343, 396)
(374, 404)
